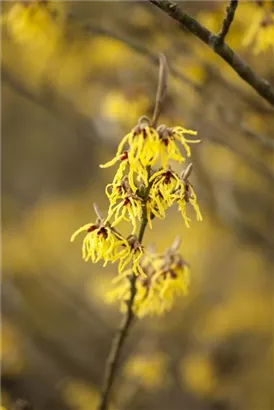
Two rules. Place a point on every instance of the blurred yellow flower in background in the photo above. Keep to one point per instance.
(260, 34)
(198, 373)
(150, 370)
(79, 395)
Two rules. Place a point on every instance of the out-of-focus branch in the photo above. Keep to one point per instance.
(261, 168)
(127, 321)
(49, 106)
(263, 139)
(89, 28)
(8, 78)
(230, 13)
(161, 91)
(260, 85)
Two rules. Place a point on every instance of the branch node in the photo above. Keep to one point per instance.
(230, 13)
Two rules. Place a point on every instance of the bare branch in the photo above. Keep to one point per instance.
(259, 84)
(230, 13)
(161, 90)
(115, 353)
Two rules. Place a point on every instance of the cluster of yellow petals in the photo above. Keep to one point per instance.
(184, 196)
(124, 204)
(146, 146)
(261, 31)
(144, 186)
(168, 188)
(102, 242)
(165, 277)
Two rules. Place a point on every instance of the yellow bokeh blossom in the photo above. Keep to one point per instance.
(149, 370)
(261, 30)
(32, 23)
(197, 373)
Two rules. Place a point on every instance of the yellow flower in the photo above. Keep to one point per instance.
(145, 147)
(117, 191)
(102, 242)
(130, 206)
(261, 31)
(129, 209)
(134, 256)
(185, 195)
(124, 164)
(165, 277)
(156, 207)
(143, 141)
(168, 147)
(164, 183)
(143, 151)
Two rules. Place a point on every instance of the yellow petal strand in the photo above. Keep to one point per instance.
(83, 228)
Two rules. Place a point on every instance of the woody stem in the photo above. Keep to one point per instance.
(127, 321)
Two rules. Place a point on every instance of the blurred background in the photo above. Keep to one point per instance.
(75, 78)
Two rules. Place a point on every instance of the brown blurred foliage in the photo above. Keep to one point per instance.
(64, 108)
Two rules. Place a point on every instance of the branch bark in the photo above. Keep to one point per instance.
(259, 84)
(230, 13)
(127, 321)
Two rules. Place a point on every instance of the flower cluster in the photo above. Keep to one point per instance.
(103, 242)
(148, 147)
(261, 31)
(166, 276)
(143, 188)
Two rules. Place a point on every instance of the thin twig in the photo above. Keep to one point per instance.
(116, 349)
(161, 90)
(259, 84)
(230, 13)
(127, 321)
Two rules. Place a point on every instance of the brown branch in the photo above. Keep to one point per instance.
(230, 13)
(161, 91)
(260, 85)
(118, 341)
(127, 321)
(115, 352)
